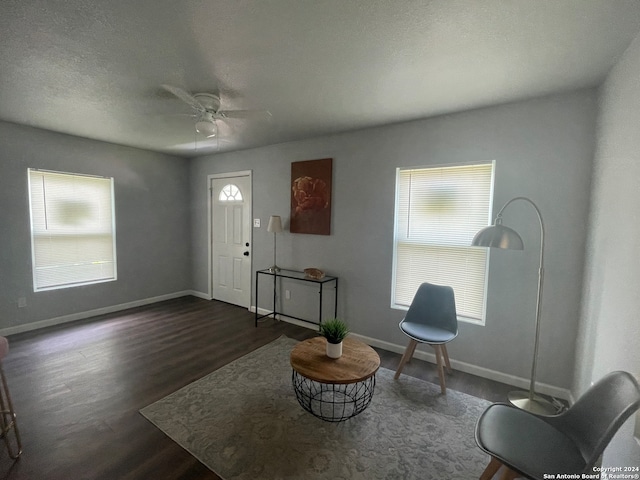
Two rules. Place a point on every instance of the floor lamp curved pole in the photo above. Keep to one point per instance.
(499, 236)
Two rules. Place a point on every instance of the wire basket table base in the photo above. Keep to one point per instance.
(333, 402)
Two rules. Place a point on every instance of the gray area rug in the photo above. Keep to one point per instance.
(243, 422)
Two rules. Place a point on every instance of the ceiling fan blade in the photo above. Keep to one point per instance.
(243, 114)
(185, 97)
(190, 115)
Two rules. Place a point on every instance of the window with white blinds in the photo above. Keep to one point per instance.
(438, 212)
(72, 229)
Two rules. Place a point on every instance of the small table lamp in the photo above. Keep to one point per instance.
(275, 226)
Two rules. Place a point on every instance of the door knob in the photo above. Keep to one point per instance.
(246, 254)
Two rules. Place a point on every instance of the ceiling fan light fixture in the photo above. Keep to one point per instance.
(207, 128)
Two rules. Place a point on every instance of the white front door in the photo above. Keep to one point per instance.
(231, 238)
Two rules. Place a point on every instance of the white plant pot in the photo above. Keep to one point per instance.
(334, 350)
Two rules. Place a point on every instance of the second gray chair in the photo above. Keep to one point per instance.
(431, 319)
(534, 446)
(8, 421)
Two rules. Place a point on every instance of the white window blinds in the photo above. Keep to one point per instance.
(72, 229)
(438, 212)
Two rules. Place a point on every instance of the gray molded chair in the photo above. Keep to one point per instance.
(431, 319)
(8, 421)
(530, 445)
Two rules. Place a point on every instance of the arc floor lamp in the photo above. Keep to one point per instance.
(500, 236)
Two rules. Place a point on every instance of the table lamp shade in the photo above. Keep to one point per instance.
(275, 224)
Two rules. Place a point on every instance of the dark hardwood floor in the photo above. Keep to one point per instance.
(77, 388)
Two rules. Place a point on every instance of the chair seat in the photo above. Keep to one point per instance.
(426, 333)
(525, 442)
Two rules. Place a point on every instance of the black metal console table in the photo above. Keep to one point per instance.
(298, 276)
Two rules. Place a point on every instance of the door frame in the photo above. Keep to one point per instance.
(210, 178)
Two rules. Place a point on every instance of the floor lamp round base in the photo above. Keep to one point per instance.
(537, 404)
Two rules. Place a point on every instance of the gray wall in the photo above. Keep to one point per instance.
(543, 149)
(610, 329)
(152, 223)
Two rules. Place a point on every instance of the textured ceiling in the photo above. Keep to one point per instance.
(93, 68)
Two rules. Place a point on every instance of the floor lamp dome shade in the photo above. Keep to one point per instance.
(499, 236)
(275, 227)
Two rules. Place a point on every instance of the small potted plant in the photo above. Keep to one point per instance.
(335, 331)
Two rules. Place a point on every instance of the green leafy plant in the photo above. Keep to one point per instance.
(334, 330)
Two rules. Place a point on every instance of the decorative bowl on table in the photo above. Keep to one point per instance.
(314, 273)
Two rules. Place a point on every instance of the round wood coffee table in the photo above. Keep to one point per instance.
(334, 389)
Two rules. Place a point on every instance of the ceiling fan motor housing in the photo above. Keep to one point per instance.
(209, 101)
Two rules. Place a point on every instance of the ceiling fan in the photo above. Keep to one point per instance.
(207, 110)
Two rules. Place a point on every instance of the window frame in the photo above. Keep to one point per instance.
(33, 233)
(396, 242)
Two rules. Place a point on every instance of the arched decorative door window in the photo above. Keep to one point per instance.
(230, 193)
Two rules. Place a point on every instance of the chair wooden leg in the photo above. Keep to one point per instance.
(413, 350)
(509, 474)
(443, 387)
(8, 421)
(408, 353)
(492, 468)
(446, 358)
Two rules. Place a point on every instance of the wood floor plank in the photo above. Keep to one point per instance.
(78, 387)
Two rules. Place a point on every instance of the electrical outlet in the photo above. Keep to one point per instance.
(22, 302)
(287, 294)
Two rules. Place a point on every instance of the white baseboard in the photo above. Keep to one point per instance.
(27, 327)
(202, 295)
(517, 382)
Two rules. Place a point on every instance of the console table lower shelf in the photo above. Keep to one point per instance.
(296, 276)
(334, 390)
